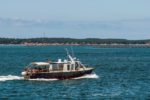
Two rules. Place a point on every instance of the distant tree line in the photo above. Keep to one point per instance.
(71, 41)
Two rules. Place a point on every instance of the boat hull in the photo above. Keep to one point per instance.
(59, 75)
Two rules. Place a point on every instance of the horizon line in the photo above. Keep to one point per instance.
(72, 38)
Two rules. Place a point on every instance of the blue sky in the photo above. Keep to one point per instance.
(129, 19)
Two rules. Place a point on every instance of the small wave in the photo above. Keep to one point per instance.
(88, 76)
(107, 94)
(10, 77)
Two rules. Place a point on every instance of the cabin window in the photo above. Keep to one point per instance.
(55, 66)
(68, 67)
(76, 65)
(72, 66)
(60, 66)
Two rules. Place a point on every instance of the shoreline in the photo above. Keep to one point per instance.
(96, 45)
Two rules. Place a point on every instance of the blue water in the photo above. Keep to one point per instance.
(121, 73)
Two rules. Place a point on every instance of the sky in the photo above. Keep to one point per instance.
(127, 19)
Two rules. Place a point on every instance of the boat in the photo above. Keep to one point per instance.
(61, 69)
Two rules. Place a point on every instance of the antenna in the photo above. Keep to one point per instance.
(67, 52)
(72, 52)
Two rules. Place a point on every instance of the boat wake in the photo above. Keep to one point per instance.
(92, 76)
(13, 77)
(42, 79)
(10, 77)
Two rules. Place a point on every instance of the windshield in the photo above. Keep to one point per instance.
(34, 66)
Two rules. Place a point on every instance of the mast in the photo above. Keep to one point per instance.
(72, 52)
(69, 56)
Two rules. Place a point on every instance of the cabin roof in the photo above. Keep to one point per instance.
(41, 63)
(59, 62)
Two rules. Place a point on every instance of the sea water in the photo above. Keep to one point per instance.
(120, 73)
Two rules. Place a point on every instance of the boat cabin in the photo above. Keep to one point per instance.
(56, 66)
